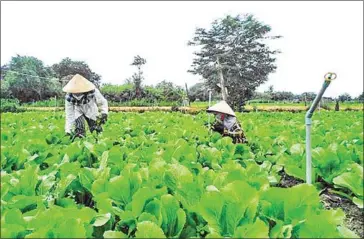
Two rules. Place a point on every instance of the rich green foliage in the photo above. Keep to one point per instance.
(138, 77)
(27, 78)
(240, 46)
(67, 68)
(156, 175)
(148, 95)
(10, 105)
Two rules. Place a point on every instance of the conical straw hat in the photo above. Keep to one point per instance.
(221, 107)
(78, 84)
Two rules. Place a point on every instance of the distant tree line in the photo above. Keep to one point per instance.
(28, 79)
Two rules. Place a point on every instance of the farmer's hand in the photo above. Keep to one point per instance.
(103, 118)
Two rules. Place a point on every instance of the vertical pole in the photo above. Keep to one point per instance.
(209, 107)
(188, 97)
(55, 108)
(308, 121)
(308, 152)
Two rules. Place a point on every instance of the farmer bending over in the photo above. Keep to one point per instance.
(82, 101)
(226, 123)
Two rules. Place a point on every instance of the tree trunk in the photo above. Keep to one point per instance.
(189, 101)
(222, 81)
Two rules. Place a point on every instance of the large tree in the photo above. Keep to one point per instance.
(234, 54)
(27, 78)
(67, 68)
(138, 77)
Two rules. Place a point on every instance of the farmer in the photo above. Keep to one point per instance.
(82, 101)
(226, 123)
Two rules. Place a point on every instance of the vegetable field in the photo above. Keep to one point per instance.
(162, 175)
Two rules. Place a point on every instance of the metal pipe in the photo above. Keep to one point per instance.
(308, 121)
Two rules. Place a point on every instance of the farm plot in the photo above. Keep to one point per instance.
(158, 174)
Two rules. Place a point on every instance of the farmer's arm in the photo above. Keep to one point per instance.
(101, 102)
(70, 116)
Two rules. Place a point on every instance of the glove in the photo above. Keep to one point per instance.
(103, 118)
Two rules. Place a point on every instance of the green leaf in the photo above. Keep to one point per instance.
(174, 218)
(297, 149)
(280, 230)
(211, 209)
(257, 230)
(176, 175)
(99, 186)
(295, 171)
(302, 201)
(316, 226)
(140, 198)
(63, 185)
(101, 220)
(14, 216)
(11, 230)
(46, 184)
(114, 234)
(148, 229)
(148, 217)
(358, 202)
(86, 178)
(103, 202)
(154, 208)
(41, 233)
(241, 205)
(352, 180)
(119, 189)
(346, 232)
(70, 228)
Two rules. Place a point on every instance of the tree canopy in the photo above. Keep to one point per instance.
(27, 78)
(67, 68)
(239, 46)
(138, 77)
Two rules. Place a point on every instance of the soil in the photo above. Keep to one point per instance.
(288, 181)
(354, 215)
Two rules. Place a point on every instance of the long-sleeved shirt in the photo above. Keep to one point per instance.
(90, 110)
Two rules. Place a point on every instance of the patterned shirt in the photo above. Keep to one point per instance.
(87, 104)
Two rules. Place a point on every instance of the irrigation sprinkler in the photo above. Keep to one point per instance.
(328, 78)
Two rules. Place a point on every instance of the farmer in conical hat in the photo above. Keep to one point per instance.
(83, 101)
(226, 122)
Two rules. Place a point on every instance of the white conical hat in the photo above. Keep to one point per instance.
(78, 84)
(221, 107)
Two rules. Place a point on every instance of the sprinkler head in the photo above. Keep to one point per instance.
(330, 76)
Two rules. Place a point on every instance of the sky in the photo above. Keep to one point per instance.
(318, 37)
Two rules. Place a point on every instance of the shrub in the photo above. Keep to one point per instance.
(10, 105)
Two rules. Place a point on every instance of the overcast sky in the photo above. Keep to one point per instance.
(317, 37)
